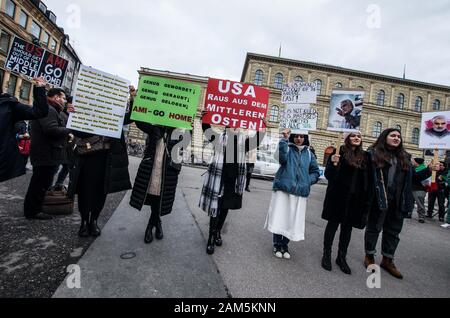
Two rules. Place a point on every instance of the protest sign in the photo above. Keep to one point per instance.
(299, 93)
(166, 102)
(53, 69)
(299, 118)
(345, 110)
(100, 101)
(435, 130)
(33, 61)
(24, 58)
(236, 105)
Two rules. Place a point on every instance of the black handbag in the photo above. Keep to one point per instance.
(90, 145)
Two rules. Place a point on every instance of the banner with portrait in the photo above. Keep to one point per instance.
(435, 130)
(345, 110)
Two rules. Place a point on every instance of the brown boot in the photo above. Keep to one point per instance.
(389, 265)
(369, 260)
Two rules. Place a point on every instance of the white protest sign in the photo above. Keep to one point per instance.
(100, 101)
(299, 93)
(299, 118)
(435, 130)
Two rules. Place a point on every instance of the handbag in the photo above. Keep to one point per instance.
(90, 145)
(57, 203)
(24, 146)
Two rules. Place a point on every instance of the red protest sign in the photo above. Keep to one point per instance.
(236, 105)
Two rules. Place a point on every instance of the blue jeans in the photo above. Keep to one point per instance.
(280, 241)
(62, 175)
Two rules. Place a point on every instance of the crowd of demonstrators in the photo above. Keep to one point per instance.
(348, 197)
(11, 112)
(291, 188)
(225, 179)
(49, 138)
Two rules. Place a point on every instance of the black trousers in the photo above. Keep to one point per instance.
(344, 236)
(391, 223)
(216, 223)
(41, 180)
(91, 186)
(155, 217)
(440, 195)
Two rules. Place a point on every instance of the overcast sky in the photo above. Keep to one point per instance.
(212, 37)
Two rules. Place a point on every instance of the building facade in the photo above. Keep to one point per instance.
(389, 101)
(33, 22)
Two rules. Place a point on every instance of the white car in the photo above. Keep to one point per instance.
(266, 165)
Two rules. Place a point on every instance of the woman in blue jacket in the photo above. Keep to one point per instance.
(291, 187)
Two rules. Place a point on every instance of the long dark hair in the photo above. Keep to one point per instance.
(383, 155)
(305, 139)
(354, 158)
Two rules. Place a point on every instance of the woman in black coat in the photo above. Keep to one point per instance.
(157, 177)
(347, 199)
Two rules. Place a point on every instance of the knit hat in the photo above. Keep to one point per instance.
(353, 132)
(419, 160)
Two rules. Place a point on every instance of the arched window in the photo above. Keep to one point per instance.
(278, 83)
(436, 104)
(397, 126)
(318, 83)
(380, 97)
(401, 101)
(259, 77)
(377, 127)
(418, 104)
(274, 114)
(338, 85)
(361, 88)
(298, 79)
(415, 136)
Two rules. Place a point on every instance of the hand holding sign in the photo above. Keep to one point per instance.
(335, 159)
(286, 133)
(40, 82)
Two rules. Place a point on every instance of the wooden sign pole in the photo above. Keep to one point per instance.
(435, 160)
(338, 145)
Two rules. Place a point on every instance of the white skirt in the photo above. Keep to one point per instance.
(286, 216)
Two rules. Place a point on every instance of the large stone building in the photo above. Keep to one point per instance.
(33, 22)
(389, 101)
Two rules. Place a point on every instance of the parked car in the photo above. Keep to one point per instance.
(266, 165)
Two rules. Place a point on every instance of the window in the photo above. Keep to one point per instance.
(415, 136)
(278, 83)
(376, 131)
(418, 104)
(298, 79)
(23, 19)
(274, 114)
(10, 8)
(259, 77)
(2, 76)
(4, 42)
(25, 90)
(436, 104)
(53, 45)
(45, 39)
(36, 30)
(318, 83)
(12, 85)
(380, 97)
(338, 85)
(401, 101)
(397, 126)
(361, 88)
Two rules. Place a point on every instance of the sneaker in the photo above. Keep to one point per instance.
(445, 225)
(285, 252)
(277, 252)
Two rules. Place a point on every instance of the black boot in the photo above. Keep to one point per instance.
(84, 230)
(326, 260)
(159, 231)
(94, 230)
(342, 263)
(210, 244)
(148, 238)
(218, 239)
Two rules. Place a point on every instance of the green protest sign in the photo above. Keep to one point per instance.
(166, 102)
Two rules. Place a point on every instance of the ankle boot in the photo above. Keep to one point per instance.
(210, 244)
(159, 231)
(326, 260)
(388, 264)
(342, 263)
(148, 238)
(94, 230)
(369, 260)
(84, 230)
(218, 239)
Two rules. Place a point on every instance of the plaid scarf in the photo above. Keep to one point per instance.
(212, 185)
